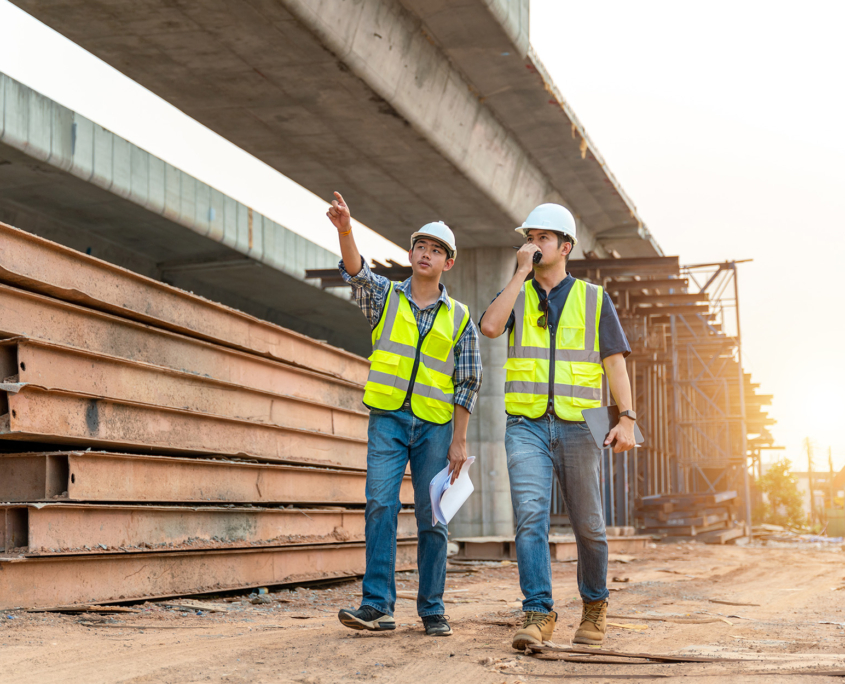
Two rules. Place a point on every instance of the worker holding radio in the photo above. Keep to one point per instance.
(563, 335)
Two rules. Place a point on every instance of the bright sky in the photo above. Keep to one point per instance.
(722, 121)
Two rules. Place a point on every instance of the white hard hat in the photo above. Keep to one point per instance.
(440, 232)
(550, 217)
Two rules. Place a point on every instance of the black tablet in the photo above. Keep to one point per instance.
(602, 420)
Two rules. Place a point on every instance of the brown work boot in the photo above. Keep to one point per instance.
(536, 629)
(593, 624)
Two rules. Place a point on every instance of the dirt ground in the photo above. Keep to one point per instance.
(295, 637)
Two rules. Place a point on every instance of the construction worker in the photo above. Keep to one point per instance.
(561, 331)
(424, 378)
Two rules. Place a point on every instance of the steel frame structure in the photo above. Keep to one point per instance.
(698, 410)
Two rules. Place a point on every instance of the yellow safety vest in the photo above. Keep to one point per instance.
(578, 367)
(397, 345)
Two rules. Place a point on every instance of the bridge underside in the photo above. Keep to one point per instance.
(71, 181)
(412, 116)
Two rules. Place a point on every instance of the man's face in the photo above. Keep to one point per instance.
(547, 241)
(429, 258)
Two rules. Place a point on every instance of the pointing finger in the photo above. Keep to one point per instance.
(340, 198)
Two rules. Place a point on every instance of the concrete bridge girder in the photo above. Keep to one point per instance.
(416, 109)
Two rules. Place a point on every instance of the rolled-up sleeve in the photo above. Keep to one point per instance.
(369, 290)
(467, 376)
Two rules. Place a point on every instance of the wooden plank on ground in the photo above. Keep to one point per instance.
(698, 521)
(723, 536)
(688, 499)
(690, 531)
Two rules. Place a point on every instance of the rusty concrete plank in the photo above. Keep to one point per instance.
(100, 476)
(54, 367)
(63, 528)
(31, 315)
(43, 266)
(68, 580)
(38, 415)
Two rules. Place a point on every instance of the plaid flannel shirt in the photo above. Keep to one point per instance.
(370, 293)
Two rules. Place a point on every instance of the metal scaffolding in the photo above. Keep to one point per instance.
(700, 413)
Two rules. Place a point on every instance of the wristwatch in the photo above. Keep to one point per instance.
(628, 414)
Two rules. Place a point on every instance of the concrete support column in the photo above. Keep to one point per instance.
(476, 278)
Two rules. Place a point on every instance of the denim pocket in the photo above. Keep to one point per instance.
(514, 420)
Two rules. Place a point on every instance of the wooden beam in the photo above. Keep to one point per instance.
(672, 299)
(651, 285)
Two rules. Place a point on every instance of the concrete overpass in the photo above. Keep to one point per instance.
(68, 179)
(415, 109)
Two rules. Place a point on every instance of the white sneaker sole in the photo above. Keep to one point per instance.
(383, 624)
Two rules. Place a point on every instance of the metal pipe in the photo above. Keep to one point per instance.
(743, 431)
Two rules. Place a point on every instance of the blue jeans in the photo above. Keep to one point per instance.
(537, 450)
(394, 438)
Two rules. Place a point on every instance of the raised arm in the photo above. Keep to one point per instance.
(496, 317)
(340, 217)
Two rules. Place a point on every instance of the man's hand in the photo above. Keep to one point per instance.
(525, 257)
(339, 214)
(457, 457)
(623, 433)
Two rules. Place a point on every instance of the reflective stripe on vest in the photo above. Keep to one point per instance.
(578, 367)
(395, 342)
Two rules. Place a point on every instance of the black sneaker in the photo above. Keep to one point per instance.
(437, 625)
(366, 617)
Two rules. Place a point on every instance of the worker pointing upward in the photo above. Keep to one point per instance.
(424, 377)
(561, 332)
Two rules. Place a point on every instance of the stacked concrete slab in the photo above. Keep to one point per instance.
(159, 443)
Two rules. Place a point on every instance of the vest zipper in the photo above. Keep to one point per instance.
(407, 402)
(551, 407)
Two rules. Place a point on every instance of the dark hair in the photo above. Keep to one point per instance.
(561, 238)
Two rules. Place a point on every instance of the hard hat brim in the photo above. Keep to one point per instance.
(524, 230)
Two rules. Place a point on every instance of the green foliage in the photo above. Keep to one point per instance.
(784, 505)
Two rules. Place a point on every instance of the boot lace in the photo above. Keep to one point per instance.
(535, 618)
(592, 612)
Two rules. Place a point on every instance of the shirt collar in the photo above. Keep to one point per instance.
(557, 288)
(405, 289)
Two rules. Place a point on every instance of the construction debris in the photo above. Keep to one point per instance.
(710, 517)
